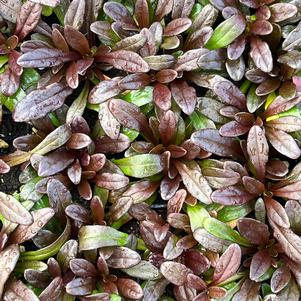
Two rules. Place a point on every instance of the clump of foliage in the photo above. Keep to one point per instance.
(163, 162)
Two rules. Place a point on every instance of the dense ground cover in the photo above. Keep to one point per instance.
(150, 150)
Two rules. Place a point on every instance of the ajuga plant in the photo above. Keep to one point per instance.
(163, 160)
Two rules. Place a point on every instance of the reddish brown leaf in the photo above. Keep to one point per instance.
(254, 231)
(211, 141)
(230, 94)
(129, 288)
(232, 195)
(290, 191)
(280, 279)
(142, 13)
(75, 14)
(174, 272)
(162, 96)
(111, 181)
(228, 264)
(28, 19)
(40, 102)
(124, 60)
(261, 54)
(184, 96)
(276, 213)
(177, 26)
(260, 263)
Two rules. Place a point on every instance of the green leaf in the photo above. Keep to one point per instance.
(21, 266)
(3, 60)
(195, 11)
(197, 214)
(11, 101)
(226, 32)
(132, 134)
(141, 166)
(50, 250)
(229, 213)
(199, 121)
(224, 231)
(29, 78)
(140, 97)
(61, 10)
(47, 11)
(94, 237)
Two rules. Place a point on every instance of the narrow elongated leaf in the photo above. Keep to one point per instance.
(94, 237)
(142, 13)
(13, 210)
(28, 19)
(258, 150)
(286, 124)
(177, 26)
(293, 40)
(276, 213)
(211, 141)
(40, 102)
(141, 166)
(226, 32)
(232, 195)
(290, 191)
(46, 57)
(195, 183)
(8, 259)
(75, 14)
(224, 231)
(227, 264)
(125, 60)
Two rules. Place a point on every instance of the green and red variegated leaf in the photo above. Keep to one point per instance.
(219, 178)
(105, 90)
(261, 54)
(188, 61)
(226, 32)
(162, 96)
(283, 143)
(232, 195)
(286, 124)
(281, 105)
(130, 115)
(211, 141)
(260, 263)
(248, 291)
(293, 40)
(253, 230)
(76, 40)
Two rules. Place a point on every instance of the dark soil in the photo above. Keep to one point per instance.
(9, 130)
